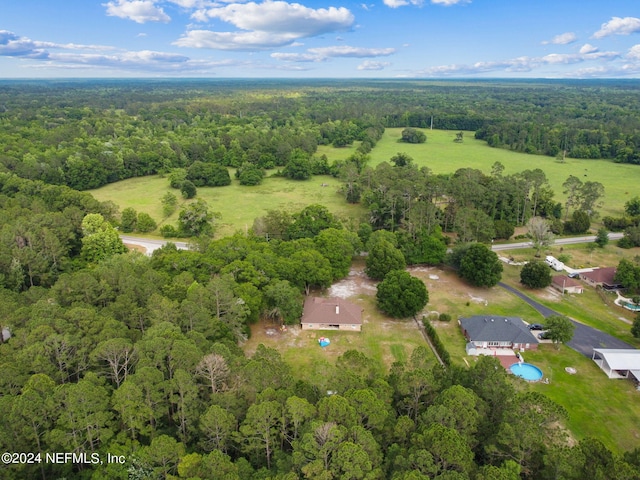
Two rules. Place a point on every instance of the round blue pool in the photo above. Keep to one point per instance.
(527, 371)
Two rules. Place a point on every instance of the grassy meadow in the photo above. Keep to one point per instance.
(442, 155)
(239, 205)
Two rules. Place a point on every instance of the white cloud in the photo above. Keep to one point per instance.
(634, 53)
(265, 25)
(369, 65)
(279, 16)
(518, 64)
(562, 39)
(401, 3)
(418, 3)
(140, 11)
(247, 41)
(587, 48)
(448, 3)
(12, 45)
(190, 3)
(297, 57)
(618, 26)
(75, 56)
(321, 54)
(347, 51)
(140, 60)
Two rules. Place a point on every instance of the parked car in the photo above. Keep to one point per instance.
(543, 336)
(536, 326)
(574, 275)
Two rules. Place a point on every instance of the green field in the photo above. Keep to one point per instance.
(237, 205)
(240, 205)
(442, 155)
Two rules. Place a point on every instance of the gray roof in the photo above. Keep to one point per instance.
(494, 328)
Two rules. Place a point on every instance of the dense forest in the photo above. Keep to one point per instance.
(138, 357)
(87, 134)
(103, 351)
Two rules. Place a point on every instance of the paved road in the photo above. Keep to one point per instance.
(150, 244)
(585, 338)
(558, 241)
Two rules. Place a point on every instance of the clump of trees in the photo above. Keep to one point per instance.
(412, 135)
(477, 264)
(535, 274)
(401, 295)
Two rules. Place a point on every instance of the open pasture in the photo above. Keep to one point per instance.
(237, 205)
(442, 155)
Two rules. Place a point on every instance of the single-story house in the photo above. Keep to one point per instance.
(495, 332)
(601, 277)
(618, 362)
(331, 314)
(566, 284)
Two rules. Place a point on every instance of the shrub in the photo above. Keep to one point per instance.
(579, 223)
(411, 135)
(188, 189)
(444, 317)
(168, 231)
(146, 223)
(436, 342)
(504, 230)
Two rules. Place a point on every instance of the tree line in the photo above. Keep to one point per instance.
(85, 135)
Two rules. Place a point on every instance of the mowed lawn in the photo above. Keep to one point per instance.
(591, 308)
(598, 407)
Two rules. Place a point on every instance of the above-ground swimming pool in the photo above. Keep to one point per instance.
(527, 371)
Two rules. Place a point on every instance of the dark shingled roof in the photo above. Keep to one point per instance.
(323, 310)
(601, 275)
(493, 328)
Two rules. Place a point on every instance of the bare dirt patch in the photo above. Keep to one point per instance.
(137, 248)
(356, 283)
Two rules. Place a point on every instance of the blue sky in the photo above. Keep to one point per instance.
(320, 38)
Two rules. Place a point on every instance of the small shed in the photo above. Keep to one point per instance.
(618, 362)
(331, 313)
(566, 284)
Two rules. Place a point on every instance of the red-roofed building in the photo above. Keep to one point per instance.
(601, 277)
(331, 314)
(566, 284)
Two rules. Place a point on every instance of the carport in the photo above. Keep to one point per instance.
(618, 363)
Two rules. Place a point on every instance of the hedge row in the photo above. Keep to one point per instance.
(435, 341)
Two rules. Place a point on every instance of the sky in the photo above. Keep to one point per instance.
(320, 38)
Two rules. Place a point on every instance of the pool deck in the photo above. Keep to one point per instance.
(506, 356)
